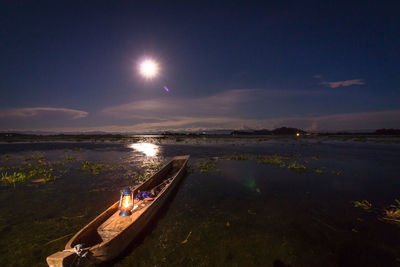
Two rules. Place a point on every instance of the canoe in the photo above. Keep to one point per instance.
(105, 237)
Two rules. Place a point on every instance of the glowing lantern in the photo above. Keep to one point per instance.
(126, 202)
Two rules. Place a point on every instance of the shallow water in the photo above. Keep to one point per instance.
(239, 213)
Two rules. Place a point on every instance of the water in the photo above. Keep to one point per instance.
(239, 213)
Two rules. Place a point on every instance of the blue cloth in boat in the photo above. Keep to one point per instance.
(142, 195)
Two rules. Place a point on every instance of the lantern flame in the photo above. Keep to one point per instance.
(127, 202)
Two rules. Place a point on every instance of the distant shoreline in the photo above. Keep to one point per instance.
(9, 137)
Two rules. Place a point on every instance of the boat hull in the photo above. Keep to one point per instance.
(106, 251)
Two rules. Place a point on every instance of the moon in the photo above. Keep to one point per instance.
(148, 68)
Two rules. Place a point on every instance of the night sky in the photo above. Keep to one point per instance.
(323, 65)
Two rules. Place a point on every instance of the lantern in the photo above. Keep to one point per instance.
(126, 202)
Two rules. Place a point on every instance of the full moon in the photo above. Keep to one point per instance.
(148, 68)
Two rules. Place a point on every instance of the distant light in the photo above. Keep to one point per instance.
(298, 134)
(166, 88)
(148, 68)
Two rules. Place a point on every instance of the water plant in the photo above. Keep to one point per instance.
(294, 166)
(16, 177)
(273, 160)
(36, 156)
(207, 166)
(187, 238)
(393, 212)
(364, 204)
(93, 168)
(142, 177)
(69, 158)
(6, 157)
(318, 171)
(239, 157)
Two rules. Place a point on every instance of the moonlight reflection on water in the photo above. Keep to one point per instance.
(149, 149)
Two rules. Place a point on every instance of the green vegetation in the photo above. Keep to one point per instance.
(239, 157)
(70, 158)
(91, 167)
(393, 212)
(14, 178)
(96, 168)
(297, 167)
(274, 160)
(142, 177)
(35, 169)
(6, 157)
(318, 171)
(364, 204)
(207, 166)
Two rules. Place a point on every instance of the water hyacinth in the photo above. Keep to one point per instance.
(297, 167)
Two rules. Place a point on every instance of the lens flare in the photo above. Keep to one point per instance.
(148, 68)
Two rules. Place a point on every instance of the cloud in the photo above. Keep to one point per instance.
(230, 102)
(343, 83)
(343, 121)
(334, 122)
(42, 112)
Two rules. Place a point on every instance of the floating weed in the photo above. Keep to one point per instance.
(190, 169)
(239, 157)
(207, 166)
(91, 167)
(7, 157)
(297, 167)
(142, 177)
(251, 212)
(187, 238)
(36, 156)
(393, 212)
(336, 172)
(364, 204)
(16, 177)
(70, 158)
(273, 160)
(318, 171)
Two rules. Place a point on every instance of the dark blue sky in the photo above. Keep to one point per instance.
(322, 65)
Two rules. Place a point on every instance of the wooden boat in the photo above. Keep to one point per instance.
(109, 234)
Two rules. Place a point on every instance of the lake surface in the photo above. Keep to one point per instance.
(242, 212)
